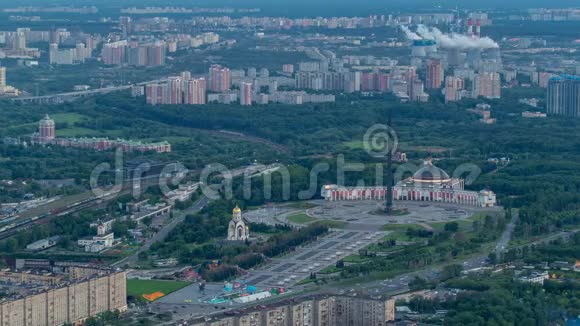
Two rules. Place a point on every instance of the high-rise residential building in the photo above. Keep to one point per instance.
(288, 68)
(368, 82)
(219, 79)
(544, 78)
(126, 26)
(384, 80)
(434, 74)
(156, 54)
(175, 90)
(319, 311)
(487, 85)
(20, 39)
(156, 94)
(185, 75)
(69, 56)
(46, 130)
(246, 93)
(252, 72)
(563, 96)
(2, 77)
(114, 53)
(453, 86)
(134, 54)
(194, 91)
(81, 52)
(50, 299)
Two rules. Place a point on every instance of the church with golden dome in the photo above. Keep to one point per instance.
(429, 183)
(237, 229)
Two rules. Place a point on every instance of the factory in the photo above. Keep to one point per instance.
(452, 60)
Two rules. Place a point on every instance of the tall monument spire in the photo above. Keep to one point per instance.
(389, 202)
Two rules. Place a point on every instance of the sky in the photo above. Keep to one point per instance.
(316, 7)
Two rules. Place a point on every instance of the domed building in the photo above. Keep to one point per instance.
(429, 183)
(430, 176)
(237, 229)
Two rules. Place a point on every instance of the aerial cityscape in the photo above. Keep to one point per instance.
(278, 163)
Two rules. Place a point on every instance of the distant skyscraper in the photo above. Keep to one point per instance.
(563, 96)
(194, 91)
(219, 78)
(434, 74)
(246, 93)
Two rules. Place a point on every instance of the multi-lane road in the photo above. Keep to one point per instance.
(163, 233)
(399, 284)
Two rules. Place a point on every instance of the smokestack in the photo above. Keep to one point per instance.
(478, 28)
(469, 27)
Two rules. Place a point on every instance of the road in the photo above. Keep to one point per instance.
(178, 219)
(387, 287)
(507, 234)
(77, 94)
(399, 284)
(163, 233)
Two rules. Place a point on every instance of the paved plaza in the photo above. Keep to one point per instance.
(365, 215)
(285, 271)
(361, 226)
(288, 270)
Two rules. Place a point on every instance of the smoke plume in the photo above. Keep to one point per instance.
(410, 34)
(452, 40)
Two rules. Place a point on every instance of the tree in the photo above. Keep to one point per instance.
(451, 227)
(143, 255)
(147, 221)
(419, 283)
(451, 271)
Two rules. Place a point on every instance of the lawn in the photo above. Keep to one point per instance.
(138, 288)
(464, 225)
(400, 227)
(70, 118)
(300, 218)
(332, 224)
(357, 259)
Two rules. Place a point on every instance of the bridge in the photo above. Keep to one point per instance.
(71, 96)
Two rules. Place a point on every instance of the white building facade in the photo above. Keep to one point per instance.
(429, 184)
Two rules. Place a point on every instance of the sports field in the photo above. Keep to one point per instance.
(153, 289)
